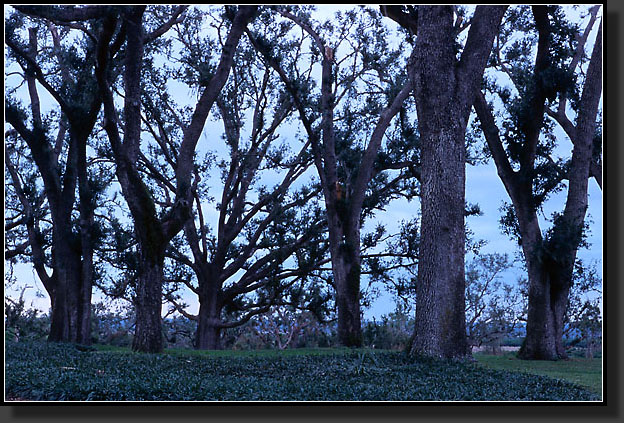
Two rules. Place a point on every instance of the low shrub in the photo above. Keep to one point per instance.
(57, 372)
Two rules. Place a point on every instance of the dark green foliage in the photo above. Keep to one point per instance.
(21, 323)
(39, 371)
(392, 331)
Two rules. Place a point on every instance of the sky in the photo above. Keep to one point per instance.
(483, 187)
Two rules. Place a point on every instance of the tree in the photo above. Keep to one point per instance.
(523, 152)
(493, 308)
(444, 88)
(153, 231)
(61, 162)
(345, 164)
(583, 321)
(257, 232)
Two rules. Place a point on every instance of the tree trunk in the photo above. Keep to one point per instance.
(539, 343)
(148, 335)
(440, 293)
(550, 273)
(548, 299)
(59, 329)
(346, 272)
(344, 240)
(444, 91)
(86, 226)
(440, 328)
(208, 334)
(84, 299)
(64, 315)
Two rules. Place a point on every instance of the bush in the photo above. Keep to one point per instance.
(21, 323)
(111, 327)
(392, 332)
(281, 329)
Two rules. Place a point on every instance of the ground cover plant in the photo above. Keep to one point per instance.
(57, 372)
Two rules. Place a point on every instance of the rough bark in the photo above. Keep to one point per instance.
(148, 304)
(550, 262)
(549, 289)
(209, 327)
(154, 233)
(444, 91)
(346, 262)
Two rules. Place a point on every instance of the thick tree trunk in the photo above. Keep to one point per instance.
(539, 343)
(148, 335)
(208, 334)
(59, 328)
(550, 277)
(440, 328)
(64, 314)
(444, 91)
(440, 293)
(548, 299)
(344, 240)
(346, 272)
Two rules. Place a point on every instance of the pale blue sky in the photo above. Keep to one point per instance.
(483, 187)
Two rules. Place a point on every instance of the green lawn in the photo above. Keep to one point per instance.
(42, 371)
(582, 371)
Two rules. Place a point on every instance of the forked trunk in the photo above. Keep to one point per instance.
(548, 299)
(444, 89)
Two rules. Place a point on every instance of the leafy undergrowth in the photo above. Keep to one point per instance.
(42, 371)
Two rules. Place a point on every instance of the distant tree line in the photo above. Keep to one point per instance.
(237, 153)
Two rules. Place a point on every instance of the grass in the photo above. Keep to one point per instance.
(43, 371)
(582, 371)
